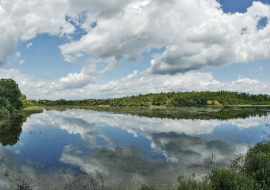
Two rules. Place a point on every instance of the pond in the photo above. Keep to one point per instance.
(87, 149)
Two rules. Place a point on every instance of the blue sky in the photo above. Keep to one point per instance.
(106, 49)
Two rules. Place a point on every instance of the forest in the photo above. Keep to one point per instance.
(170, 99)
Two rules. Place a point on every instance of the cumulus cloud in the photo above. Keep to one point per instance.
(86, 84)
(49, 89)
(196, 34)
(74, 80)
(23, 20)
(189, 81)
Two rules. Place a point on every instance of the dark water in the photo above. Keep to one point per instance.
(78, 149)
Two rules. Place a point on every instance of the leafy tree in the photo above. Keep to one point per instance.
(9, 89)
(5, 106)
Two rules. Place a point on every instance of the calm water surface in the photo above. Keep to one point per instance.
(77, 149)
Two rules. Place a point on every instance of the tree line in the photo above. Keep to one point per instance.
(11, 98)
(170, 99)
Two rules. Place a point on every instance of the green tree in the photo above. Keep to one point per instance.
(5, 107)
(9, 89)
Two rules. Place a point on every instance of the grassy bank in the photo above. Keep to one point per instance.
(30, 110)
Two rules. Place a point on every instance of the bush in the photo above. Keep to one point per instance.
(244, 173)
(145, 187)
(230, 179)
(219, 179)
(192, 184)
(257, 164)
(4, 112)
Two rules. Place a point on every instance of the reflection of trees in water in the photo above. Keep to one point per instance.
(10, 129)
(201, 113)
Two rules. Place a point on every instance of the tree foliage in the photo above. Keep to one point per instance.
(257, 164)
(10, 96)
(169, 99)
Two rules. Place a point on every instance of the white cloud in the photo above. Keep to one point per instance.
(75, 80)
(28, 45)
(17, 54)
(189, 81)
(21, 62)
(22, 20)
(196, 34)
(47, 74)
(86, 84)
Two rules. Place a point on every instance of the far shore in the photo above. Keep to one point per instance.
(207, 107)
(154, 110)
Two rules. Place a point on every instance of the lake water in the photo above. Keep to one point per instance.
(78, 149)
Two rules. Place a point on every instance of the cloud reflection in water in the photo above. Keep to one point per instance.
(169, 148)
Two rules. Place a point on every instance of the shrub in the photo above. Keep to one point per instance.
(145, 187)
(230, 179)
(248, 172)
(257, 164)
(192, 184)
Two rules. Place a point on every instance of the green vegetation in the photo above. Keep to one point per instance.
(170, 99)
(11, 98)
(32, 109)
(145, 187)
(10, 129)
(202, 113)
(249, 172)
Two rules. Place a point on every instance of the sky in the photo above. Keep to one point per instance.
(82, 49)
